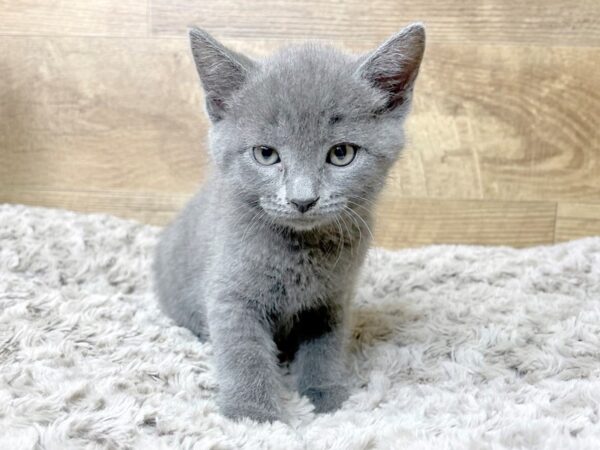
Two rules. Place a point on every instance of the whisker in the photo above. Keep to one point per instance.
(252, 223)
(369, 211)
(363, 221)
(375, 251)
(246, 210)
(341, 217)
(340, 242)
(370, 207)
(356, 224)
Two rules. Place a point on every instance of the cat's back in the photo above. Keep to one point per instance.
(181, 241)
(183, 255)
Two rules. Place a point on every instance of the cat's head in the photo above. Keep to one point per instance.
(310, 132)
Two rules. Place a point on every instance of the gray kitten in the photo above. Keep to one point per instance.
(264, 258)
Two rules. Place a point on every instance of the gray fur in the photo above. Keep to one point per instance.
(242, 265)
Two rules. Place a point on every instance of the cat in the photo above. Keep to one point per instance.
(264, 259)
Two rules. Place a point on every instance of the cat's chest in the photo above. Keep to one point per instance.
(299, 275)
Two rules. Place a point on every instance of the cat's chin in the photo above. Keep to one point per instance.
(303, 223)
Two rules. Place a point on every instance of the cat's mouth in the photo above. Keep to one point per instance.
(300, 221)
(305, 223)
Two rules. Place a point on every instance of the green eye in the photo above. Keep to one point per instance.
(342, 154)
(266, 156)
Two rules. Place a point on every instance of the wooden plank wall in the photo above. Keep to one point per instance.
(100, 108)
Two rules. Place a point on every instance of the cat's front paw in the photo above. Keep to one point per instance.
(259, 413)
(326, 398)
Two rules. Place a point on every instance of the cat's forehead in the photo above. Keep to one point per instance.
(310, 79)
(307, 64)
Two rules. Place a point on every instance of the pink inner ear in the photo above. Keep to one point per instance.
(393, 67)
(396, 85)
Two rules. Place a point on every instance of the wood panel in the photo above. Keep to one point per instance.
(577, 220)
(154, 208)
(100, 114)
(405, 222)
(74, 17)
(400, 222)
(508, 123)
(101, 109)
(488, 122)
(549, 22)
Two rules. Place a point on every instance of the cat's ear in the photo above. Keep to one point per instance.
(222, 71)
(394, 66)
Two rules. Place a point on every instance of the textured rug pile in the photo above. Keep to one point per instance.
(452, 347)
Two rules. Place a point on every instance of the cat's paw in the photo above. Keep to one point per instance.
(326, 398)
(259, 413)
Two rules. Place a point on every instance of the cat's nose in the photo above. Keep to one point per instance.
(304, 204)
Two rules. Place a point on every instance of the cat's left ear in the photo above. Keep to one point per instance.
(222, 71)
(394, 66)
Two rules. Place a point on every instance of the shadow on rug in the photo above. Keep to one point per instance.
(453, 346)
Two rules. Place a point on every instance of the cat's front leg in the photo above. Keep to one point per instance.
(246, 360)
(319, 363)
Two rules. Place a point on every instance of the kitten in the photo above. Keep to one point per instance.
(263, 260)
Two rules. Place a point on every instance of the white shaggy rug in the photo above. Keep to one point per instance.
(453, 347)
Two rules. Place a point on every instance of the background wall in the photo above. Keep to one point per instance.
(100, 108)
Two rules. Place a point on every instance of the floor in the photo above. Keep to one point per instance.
(100, 109)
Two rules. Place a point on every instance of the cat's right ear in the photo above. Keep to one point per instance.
(394, 66)
(222, 71)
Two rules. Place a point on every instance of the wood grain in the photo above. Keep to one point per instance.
(548, 22)
(405, 222)
(101, 109)
(577, 220)
(508, 123)
(400, 222)
(74, 17)
(122, 114)
(100, 114)
(153, 208)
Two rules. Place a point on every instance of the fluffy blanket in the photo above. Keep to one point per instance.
(452, 347)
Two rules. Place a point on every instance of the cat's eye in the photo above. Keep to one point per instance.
(266, 156)
(342, 154)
